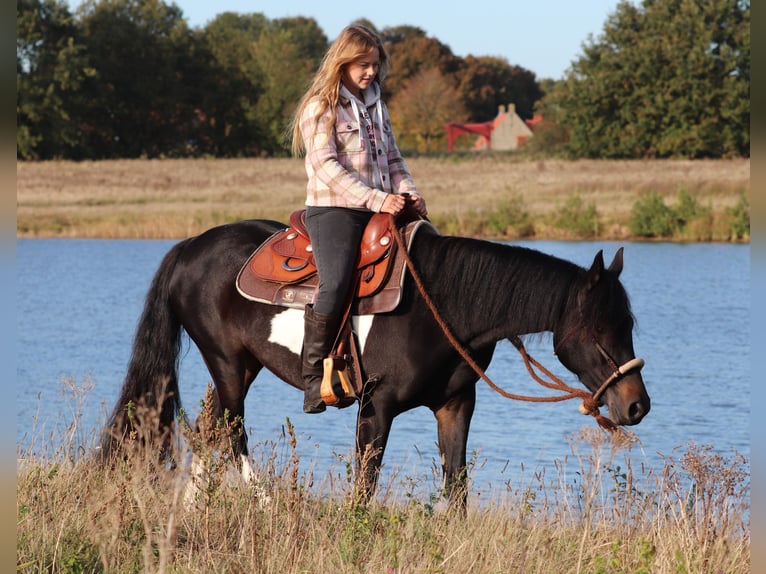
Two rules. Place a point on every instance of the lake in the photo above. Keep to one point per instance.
(78, 303)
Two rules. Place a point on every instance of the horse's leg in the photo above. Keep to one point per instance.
(453, 421)
(232, 377)
(373, 426)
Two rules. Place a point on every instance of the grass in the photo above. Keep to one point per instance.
(489, 195)
(73, 515)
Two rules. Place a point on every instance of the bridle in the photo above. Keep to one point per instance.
(590, 401)
(618, 371)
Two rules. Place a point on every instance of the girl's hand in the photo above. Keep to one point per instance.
(419, 204)
(393, 204)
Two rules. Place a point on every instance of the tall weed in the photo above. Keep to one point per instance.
(595, 513)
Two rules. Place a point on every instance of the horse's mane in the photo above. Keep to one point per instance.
(515, 282)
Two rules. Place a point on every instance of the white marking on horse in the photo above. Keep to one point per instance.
(198, 477)
(287, 329)
(362, 325)
(247, 470)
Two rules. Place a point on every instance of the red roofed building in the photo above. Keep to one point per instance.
(506, 132)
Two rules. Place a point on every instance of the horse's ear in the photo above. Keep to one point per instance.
(595, 271)
(616, 266)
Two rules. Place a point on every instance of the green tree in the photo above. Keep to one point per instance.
(144, 100)
(51, 66)
(227, 127)
(551, 135)
(287, 53)
(262, 70)
(666, 78)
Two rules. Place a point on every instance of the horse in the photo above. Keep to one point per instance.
(484, 292)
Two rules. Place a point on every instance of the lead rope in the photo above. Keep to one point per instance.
(589, 400)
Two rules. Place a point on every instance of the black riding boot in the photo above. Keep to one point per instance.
(320, 330)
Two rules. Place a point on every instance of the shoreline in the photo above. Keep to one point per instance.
(489, 196)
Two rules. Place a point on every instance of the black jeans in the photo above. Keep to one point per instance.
(335, 234)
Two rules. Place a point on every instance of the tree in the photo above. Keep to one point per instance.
(411, 53)
(144, 98)
(668, 78)
(51, 66)
(422, 108)
(551, 136)
(287, 53)
(234, 86)
(489, 82)
(483, 83)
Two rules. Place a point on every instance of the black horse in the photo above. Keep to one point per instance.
(484, 291)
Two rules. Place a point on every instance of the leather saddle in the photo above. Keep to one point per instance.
(282, 271)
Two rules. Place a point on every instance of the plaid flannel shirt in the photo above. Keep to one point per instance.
(339, 163)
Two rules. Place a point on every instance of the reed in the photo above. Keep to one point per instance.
(489, 195)
(73, 515)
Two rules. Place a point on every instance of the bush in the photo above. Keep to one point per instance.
(694, 222)
(740, 218)
(578, 218)
(687, 220)
(511, 218)
(508, 220)
(650, 217)
(688, 208)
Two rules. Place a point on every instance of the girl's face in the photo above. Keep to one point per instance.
(360, 73)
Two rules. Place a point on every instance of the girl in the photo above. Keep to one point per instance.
(354, 169)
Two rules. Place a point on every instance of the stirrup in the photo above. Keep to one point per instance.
(336, 380)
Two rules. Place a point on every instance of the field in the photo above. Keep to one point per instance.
(691, 516)
(498, 196)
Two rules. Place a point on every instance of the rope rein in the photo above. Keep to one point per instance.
(589, 400)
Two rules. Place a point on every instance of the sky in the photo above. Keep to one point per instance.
(544, 36)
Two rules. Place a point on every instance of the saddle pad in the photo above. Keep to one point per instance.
(298, 295)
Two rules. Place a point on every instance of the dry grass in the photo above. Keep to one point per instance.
(178, 198)
(73, 515)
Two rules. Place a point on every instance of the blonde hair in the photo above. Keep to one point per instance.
(354, 42)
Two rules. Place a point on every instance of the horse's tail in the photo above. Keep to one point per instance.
(149, 400)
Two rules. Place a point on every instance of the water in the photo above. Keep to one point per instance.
(79, 302)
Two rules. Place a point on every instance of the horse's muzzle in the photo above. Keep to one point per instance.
(627, 398)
